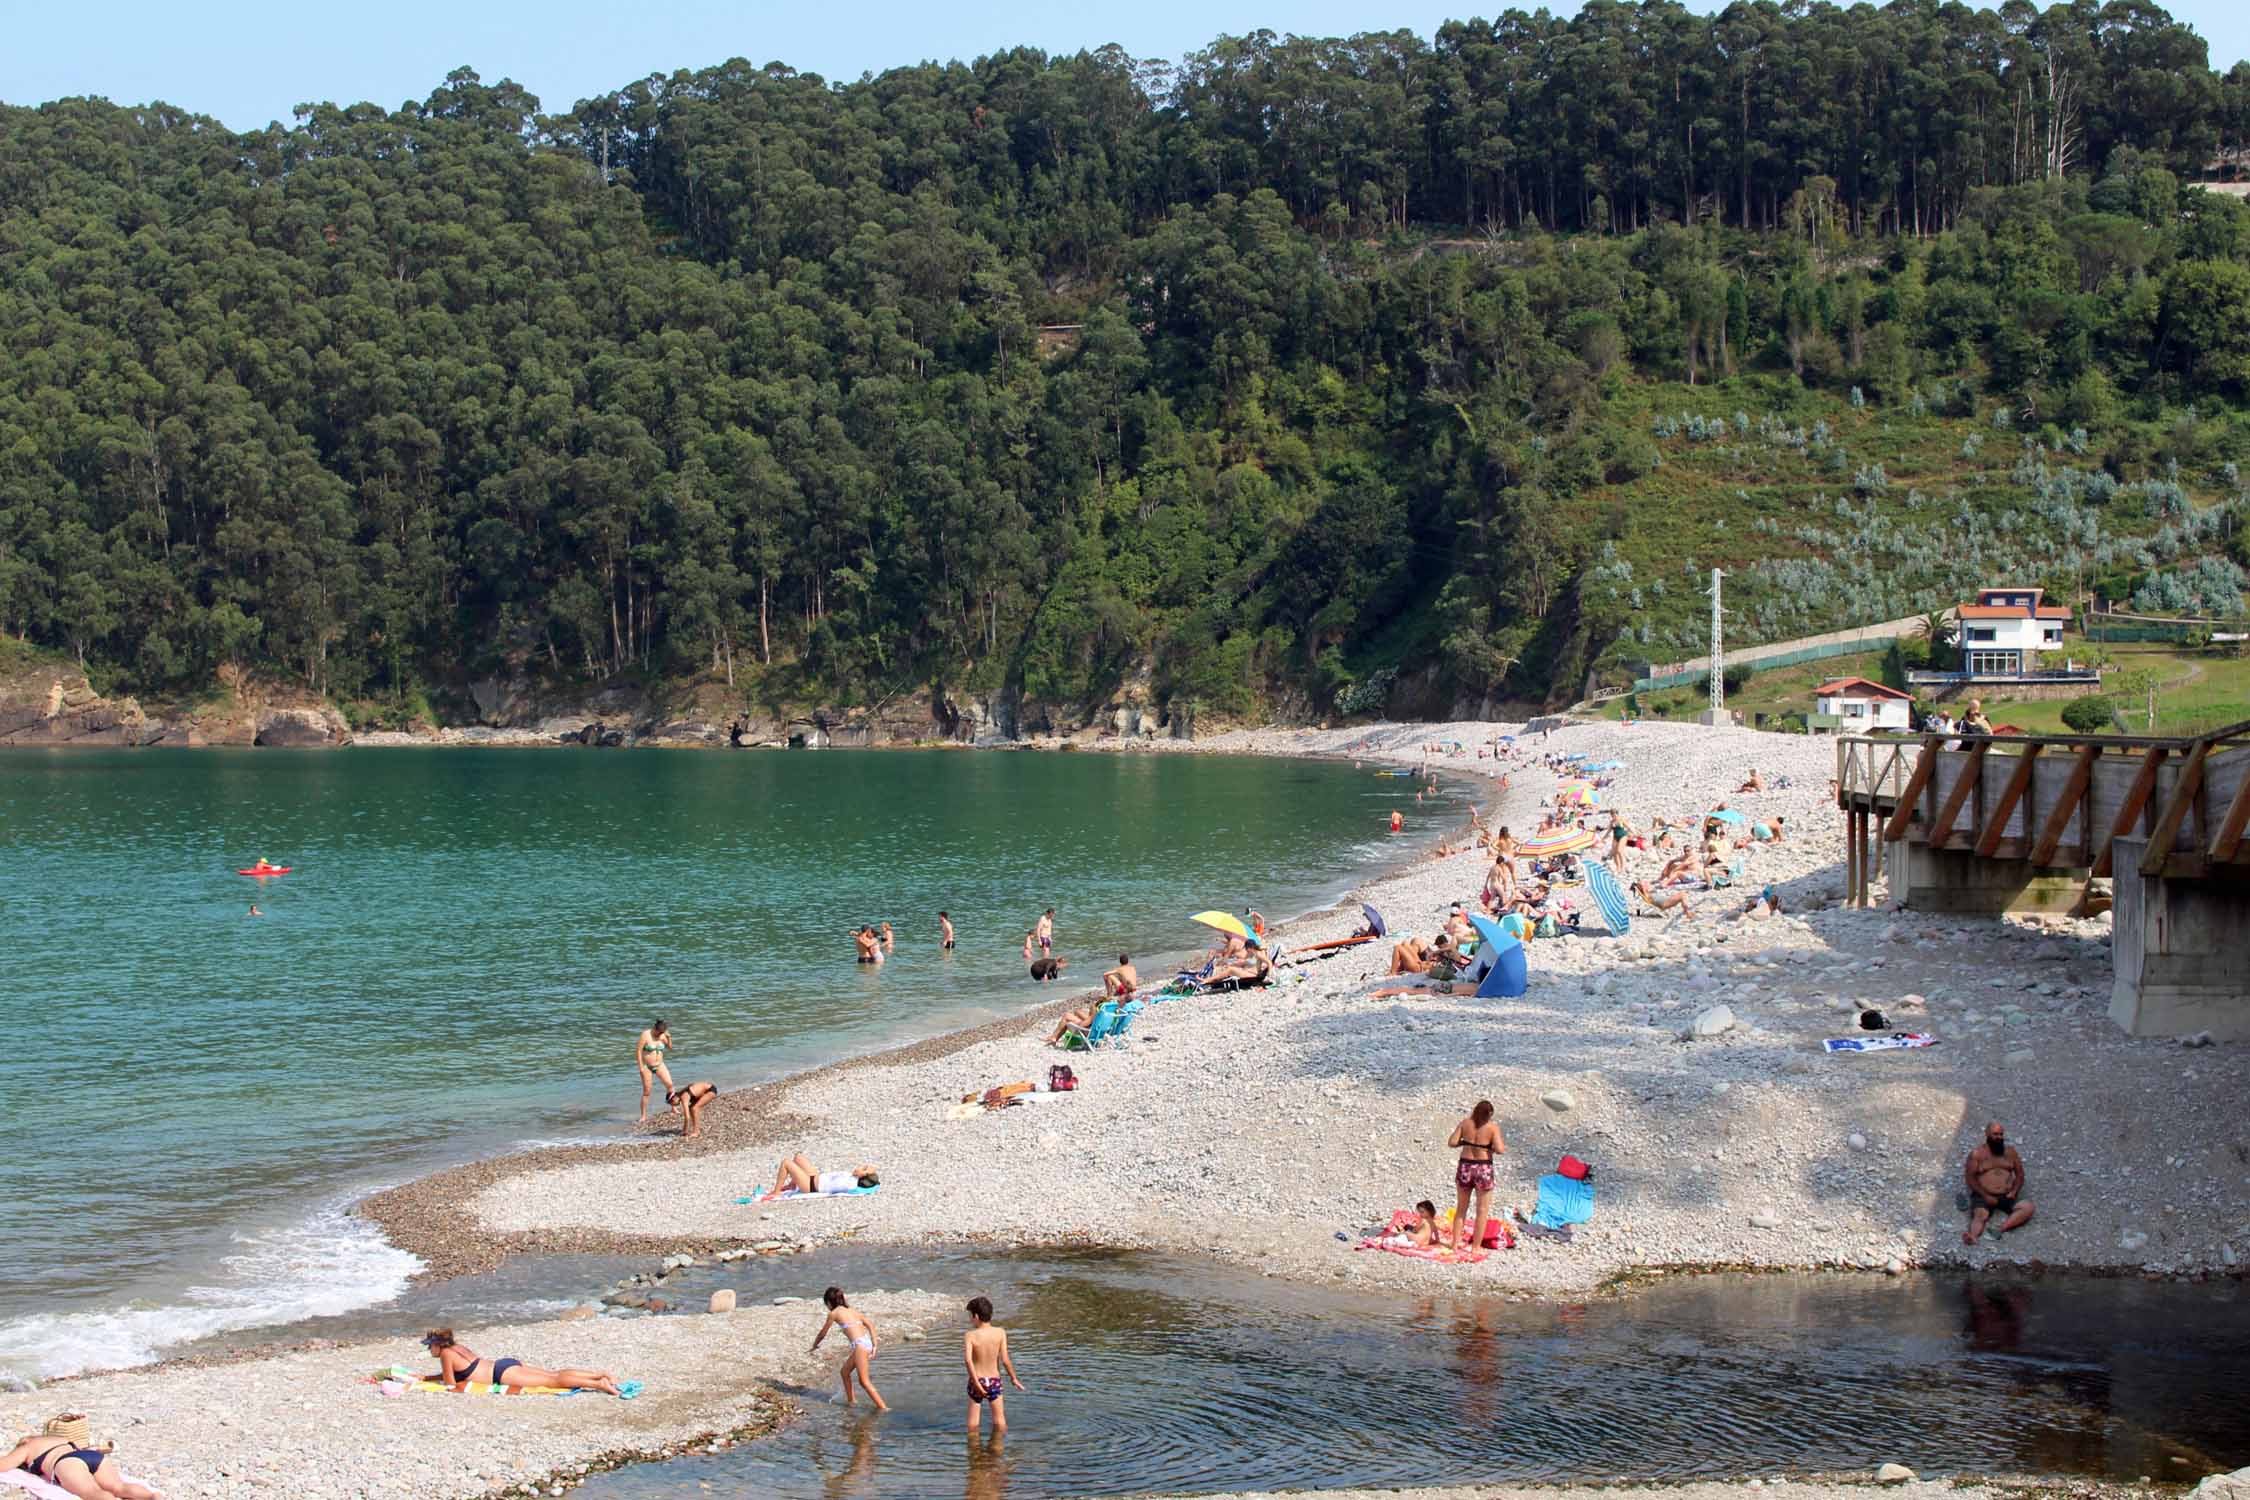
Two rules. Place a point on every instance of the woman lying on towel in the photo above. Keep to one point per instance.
(460, 1365)
(86, 1472)
(798, 1174)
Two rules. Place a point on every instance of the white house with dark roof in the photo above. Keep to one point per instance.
(1854, 705)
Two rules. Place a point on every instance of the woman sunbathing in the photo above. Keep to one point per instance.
(797, 1173)
(86, 1472)
(1663, 900)
(1073, 1020)
(459, 1365)
(1252, 968)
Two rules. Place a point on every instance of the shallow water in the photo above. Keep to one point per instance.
(1153, 1374)
(470, 942)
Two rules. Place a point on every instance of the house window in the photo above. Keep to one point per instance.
(1981, 662)
(1980, 632)
(2052, 636)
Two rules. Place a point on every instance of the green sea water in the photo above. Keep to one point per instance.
(470, 942)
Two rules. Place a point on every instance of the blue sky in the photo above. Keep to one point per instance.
(251, 62)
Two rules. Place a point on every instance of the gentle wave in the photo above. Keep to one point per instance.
(329, 1263)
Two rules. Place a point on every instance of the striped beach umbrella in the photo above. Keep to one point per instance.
(1561, 841)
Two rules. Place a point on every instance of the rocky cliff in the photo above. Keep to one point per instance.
(45, 704)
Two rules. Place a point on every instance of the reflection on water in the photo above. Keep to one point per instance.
(1146, 1373)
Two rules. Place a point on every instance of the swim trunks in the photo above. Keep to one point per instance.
(1046, 945)
(1476, 1176)
(986, 1389)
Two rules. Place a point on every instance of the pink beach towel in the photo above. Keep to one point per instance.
(1450, 1257)
(42, 1488)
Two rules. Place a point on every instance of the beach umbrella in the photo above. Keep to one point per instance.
(1575, 784)
(1224, 921)
(1726, 815)
(1578, 796)
(1610, 897)
(1561, 841)
(1508, 975)
(1375, 920)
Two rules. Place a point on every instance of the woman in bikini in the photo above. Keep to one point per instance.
(1479, 1143)
(85, 1472)
(459, 1365)
(798, 1173)
(860, 1330)
(689, 1102)
(648, 1056)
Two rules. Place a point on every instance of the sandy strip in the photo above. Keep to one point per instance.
(1271, 1128)
(308, 1424)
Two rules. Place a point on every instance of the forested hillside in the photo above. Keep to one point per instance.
(1302, 375)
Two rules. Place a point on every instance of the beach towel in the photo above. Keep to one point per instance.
(34, 1485)
(791, 1195)
(1412, 1252)
(400, 1381)
(1563, 1200)
(1894, 1042)
(1542, 1232)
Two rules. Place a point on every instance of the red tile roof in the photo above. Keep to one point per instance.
(2011, 612)
(1857, 687)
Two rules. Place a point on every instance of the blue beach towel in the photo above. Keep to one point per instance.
(1563, 1200)
(628, 1389)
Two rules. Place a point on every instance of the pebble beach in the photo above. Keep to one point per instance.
(1274, 1128)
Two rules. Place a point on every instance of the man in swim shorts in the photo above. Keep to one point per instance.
(1995, 1176)
(945, 930)
(1046, 931)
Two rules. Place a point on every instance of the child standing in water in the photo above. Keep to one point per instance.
(985, 1351)
(860, 1330)
(945, 928)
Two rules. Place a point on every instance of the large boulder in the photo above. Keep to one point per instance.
(2235, 1486)
(301, 729)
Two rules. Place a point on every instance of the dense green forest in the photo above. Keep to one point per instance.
(1282, 374)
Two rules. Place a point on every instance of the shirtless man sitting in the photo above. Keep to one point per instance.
(1122, 980)
(1756, 783)
(1995, 1176)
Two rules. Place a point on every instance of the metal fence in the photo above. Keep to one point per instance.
(1763, 663)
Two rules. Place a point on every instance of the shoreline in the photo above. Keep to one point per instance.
(1600, 1021)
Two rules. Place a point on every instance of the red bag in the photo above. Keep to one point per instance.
(1060, 1079)
(1497, 1236)
(1574, 1169)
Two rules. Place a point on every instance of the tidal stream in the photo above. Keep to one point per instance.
(1148, 1373)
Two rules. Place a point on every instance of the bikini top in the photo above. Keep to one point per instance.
(1469, 1145)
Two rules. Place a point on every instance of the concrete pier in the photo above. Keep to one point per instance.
(2177, 949)
(1958, 882)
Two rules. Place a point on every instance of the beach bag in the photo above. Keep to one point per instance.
(1574, 1169)
(1060, 1079)
(1548, 927)
(1872, 1020)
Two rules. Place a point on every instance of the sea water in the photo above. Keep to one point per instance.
(469, 943)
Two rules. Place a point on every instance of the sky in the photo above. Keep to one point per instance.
(252, 61)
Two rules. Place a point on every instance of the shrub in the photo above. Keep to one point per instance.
(2091, 714)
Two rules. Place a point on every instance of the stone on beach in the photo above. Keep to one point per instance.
(1558, 1100)
(722, 1300)
(1716, 1021)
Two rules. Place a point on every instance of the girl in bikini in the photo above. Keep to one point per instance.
(860, 1330)
(1479, 1142)
(85, 1472)
(648, 1056)
(459, 1365)
(689, 1102)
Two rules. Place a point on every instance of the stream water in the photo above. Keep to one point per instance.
(1148, 1373)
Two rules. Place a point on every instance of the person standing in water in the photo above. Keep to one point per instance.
(1397, 823)
(857, 1327)
(890, 944)
(985, 1351)
(1046, 931)
(648, 1056)
(945, 930)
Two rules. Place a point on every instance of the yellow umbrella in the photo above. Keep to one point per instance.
(1223, 921)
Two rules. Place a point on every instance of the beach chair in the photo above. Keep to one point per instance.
(1095, 1032)
(1121, 1022)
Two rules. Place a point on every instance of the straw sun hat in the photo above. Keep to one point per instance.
(74, 1426)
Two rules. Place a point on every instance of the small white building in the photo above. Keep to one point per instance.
(1858, 706)
(2003, 633)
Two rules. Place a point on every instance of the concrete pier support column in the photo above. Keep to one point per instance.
(1956, 881)
(2178, 947)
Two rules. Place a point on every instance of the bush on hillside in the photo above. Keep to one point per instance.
(2092, 714)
